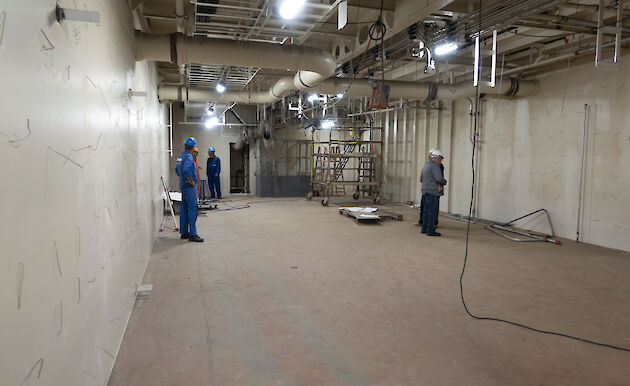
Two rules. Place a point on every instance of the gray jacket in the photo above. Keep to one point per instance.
(432, 180)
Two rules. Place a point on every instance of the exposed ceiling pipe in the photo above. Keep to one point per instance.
(359, 88)
(555, 59)
(180, 14)
(312, 64)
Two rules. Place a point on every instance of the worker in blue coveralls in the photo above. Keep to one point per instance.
(188, 181)
(213, 171)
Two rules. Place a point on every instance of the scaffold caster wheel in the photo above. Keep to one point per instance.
(356, 196)
(377, 200)
(325, 201)
(309, 195)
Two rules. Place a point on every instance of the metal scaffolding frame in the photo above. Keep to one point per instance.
(341, 163)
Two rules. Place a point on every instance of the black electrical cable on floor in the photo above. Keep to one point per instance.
(461, 277)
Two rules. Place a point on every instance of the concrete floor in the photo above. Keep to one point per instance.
(288, 292)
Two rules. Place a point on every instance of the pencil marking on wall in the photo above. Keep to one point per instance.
(64, 156)
(93, 84)
(78, 241)
(78, 290)
(57, 259)
(46, 44)
(60, 326)
(92, 281)
(39, 362)
(88, 373)
(17, 141)
(3, 17)
(20, 279)
(88, 147)
(107, 352)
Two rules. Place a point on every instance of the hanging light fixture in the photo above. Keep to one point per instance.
(211, 121)
(327, 124)
(445, 48)
(290, 8)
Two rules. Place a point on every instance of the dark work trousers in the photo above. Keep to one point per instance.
(422, 211)
(430, 213)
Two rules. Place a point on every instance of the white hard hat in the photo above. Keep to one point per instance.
(435, 153)
(431, 151)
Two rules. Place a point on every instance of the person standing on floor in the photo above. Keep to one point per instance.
(188, 181)
(432, 189)
(197, 169)
(422, 201)
(213, 171)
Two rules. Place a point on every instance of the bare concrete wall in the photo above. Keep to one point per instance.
(529, 155)
(81, 198)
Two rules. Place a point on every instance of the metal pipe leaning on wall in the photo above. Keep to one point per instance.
(359, 88)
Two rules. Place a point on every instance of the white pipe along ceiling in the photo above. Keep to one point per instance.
(425, 91)
(313, 67)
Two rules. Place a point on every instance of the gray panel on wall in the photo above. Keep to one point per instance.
(282, 186)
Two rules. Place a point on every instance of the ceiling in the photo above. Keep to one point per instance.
(533, 36)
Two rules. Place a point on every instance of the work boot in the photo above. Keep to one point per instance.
(184, 236)
(196, 239)
(433, 233)
(424, 231)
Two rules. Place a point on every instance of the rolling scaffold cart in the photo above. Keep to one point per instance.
(346, 157)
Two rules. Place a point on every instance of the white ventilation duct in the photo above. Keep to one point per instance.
(359, 88)
(312, 65)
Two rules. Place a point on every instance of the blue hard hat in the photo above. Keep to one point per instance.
(190, 141)
(210, 149)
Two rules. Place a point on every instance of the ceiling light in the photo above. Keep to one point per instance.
(313, 97)
(290, 8)
(328, 124)
(445, 48)
(211, 122)
(210, 111)
(220, 87)
(339, 96)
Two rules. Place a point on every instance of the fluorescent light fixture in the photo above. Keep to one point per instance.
(340, 95)
(211, 122)
(290, 8)
(476, 66)
(445, 48)
(328, 124)
(220, 87)
(313, 97)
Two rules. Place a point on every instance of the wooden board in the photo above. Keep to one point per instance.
(390, 215)
(378, 215)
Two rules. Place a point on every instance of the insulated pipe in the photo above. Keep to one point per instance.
(509, 87)
(363, 88)
(312, 64)
(180, 13)
(359, 88)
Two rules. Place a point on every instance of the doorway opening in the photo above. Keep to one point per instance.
(239, 169)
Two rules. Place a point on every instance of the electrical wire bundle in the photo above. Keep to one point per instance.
(461, 278)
